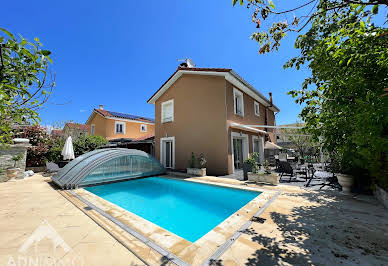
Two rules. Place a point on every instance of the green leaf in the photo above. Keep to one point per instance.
(234, 2)
(8, 33)
(271, 4)
(375, 9)
(45, 52)
(362, 24)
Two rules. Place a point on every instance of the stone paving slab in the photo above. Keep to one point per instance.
(301, 227)
(28, 203)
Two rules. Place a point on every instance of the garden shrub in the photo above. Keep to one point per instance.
(87, 143)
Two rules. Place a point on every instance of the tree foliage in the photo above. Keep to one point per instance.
(275, 24)
(304, 143)
(25, 81)
(348, 56)
(345, 97)
(87, 143)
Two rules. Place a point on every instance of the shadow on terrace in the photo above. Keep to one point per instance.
(323, 228)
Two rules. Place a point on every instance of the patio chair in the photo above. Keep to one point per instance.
(285, 169)
(327, 176)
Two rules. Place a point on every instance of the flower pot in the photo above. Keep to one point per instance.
(346, 182)
(196, 171)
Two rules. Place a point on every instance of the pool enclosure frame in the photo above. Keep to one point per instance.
(105, 166)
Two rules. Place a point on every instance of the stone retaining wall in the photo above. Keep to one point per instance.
(7, 152)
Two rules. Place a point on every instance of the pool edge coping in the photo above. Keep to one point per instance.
(177, 257)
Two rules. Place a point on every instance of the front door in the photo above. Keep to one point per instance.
(238, 153)
(167, 153)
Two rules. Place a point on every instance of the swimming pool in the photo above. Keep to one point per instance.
(187, 209)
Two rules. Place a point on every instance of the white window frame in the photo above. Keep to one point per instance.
(119, 123)
(141, 128)
(245, 146)
(258, 108)
(238, 93)
(163, 110)
(162, 161)
(261, 146)
(92, 129)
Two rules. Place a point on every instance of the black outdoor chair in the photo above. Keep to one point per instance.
(285, 169)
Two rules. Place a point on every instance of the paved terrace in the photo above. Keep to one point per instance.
(300, 227)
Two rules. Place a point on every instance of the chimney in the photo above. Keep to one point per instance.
(101, 107)
(270, 98)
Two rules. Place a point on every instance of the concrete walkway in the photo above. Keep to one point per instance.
(32, 203)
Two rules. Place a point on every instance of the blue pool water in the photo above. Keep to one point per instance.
(187, 209)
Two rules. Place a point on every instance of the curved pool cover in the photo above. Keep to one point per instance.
(107, 165)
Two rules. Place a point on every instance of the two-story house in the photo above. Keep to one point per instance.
(114, 125)
(75, 130)
(211, 111)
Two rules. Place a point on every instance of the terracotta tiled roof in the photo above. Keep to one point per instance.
(102, 112)
(56, 132)
(124, 116)
(78, 126)
(145, 137)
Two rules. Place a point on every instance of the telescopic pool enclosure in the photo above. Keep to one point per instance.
(107, 165)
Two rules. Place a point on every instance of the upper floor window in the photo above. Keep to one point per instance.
(238, 102)
(119, 127)
(167, 111)
(257, 108)
(143, 128)
(92, 128)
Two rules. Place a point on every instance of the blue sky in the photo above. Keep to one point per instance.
(118, 53)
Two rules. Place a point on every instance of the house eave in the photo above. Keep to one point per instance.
(230, 76)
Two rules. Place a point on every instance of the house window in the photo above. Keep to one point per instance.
(238, 102)
(119, 127)
(143, 128)
(92, 128)
(257, 108)
(168, 111)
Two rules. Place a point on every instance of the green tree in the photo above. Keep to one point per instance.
(25, 81)
(303, 142)
(87, 143)
(343, 98)
(274, 24)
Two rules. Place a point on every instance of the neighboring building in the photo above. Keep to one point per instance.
(207, 110)
(75, 130)
(113, 125)
(57, 133)
(283, 135)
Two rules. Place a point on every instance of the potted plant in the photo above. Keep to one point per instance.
(341, 168)
(261, 177)
(201, 170)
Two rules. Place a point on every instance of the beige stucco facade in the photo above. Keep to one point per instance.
(203, 114)
(105, 127)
